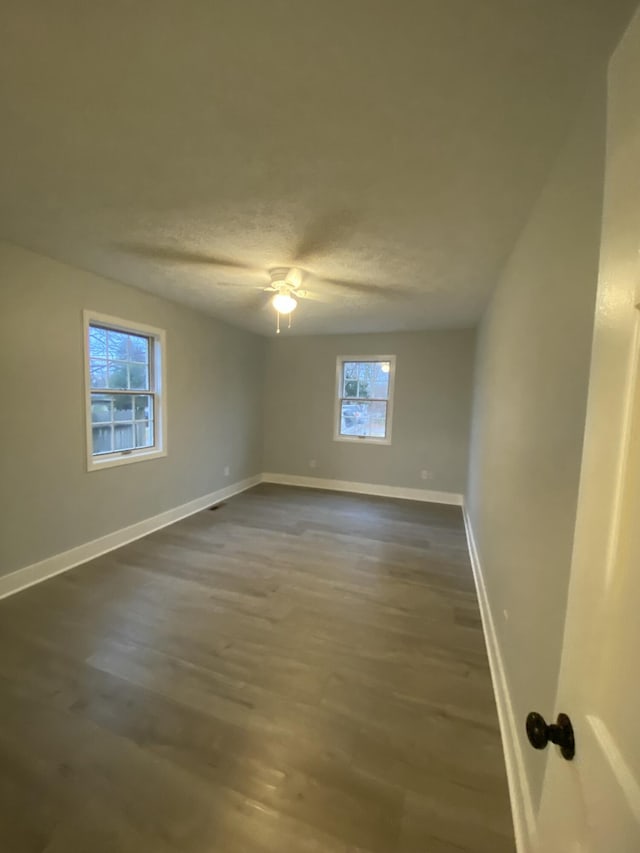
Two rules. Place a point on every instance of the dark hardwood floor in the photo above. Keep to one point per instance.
(295, 672)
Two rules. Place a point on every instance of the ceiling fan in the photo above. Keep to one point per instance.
(285, 282)
(285, 285)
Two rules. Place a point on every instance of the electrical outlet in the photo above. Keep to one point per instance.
(226, 471)
(313, 463)
(425, 475)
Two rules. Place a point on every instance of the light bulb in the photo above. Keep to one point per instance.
(284, 303)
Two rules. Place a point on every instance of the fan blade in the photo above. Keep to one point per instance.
(370, 289)
(307, 294)
(256, 301)
(323, 234)
(183, 256)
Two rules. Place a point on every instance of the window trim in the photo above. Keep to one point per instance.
(356, 439)
(159, 360)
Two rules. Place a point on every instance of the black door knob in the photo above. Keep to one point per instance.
(540, 733)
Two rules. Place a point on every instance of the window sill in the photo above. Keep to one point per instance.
(354, 439)
(96, 463)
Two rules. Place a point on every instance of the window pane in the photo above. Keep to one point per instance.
(363, 418)
(380, 379)
(350, 418)
(143, 406)
(98, 373)
(364, 388)
(375, 419)
(144, 434)
(101, 408)
(117, 375)
(123, 437)
(364, 371)
(97, 342)
(351, 388)
(117, 345)
(138, 349)
(139, 376)
(112, 416)
(102, 439)
(122, 407)
(364, 380)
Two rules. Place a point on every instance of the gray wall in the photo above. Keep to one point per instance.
(431, 409)
(531, 380)
(48, 501)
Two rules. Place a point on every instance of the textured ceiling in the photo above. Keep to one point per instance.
(398, 145)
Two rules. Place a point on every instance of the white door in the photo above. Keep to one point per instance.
(592, 804)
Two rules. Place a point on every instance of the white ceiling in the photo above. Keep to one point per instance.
(398, 145)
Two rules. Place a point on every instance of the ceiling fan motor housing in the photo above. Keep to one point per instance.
(285, 277)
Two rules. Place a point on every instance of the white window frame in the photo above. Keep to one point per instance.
(363, 439)
(158, 385)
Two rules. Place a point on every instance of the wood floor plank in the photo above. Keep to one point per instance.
(297, 671)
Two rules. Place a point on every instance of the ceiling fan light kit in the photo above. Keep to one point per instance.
(284, 303)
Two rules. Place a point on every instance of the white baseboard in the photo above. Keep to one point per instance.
(40, 571)
(365, 488)
(36, 572)
(524, 822)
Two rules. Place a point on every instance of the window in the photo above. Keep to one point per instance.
(124, 391)
(364, 398)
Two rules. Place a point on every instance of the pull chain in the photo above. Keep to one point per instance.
(278, 322)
